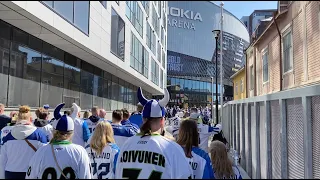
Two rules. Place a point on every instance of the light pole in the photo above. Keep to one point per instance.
(221, 68)
(212, 98)
(216, 36)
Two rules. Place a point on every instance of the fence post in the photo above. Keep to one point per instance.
(238, 128)
(243, 135)
(249, 164)
(284, 143)
(268, 137)
(257, 113)
(307, 137)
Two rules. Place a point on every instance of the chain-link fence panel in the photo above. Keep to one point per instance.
(315, 119)
(295, 138)
(275, 139)
(253, 142)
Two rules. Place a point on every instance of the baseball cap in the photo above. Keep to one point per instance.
(46, 106)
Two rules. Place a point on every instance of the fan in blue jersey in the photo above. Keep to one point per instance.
(198, 159)
(121, 132)
(136, 117)
(81, 132)
(20, 145)
(148, 155)
(103, 152)
(60, 159)
(222, 165)
(94, 119)
(126, 122)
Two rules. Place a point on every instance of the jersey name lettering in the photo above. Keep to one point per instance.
(193, 165)
(143, 157)
(101, 156)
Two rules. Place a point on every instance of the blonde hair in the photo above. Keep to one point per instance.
(86, 114)
(220, 160)
(188, 136)
(102, 135)
(24, 113)
(61, 136)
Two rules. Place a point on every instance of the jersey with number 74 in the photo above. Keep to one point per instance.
(152, 157)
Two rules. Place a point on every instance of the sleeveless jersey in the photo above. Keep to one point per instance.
(73, 160)
(152, 157)
(103, 166)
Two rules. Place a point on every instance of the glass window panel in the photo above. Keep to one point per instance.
(71, 83)
(117, 35)
(81, 15)
(24, 74)
(5, 30)
(49, 3)
(51, 80)
(4, 68)
(86, 89)
(20, 36)
(64, 8)
(104, 3)
(98, 91)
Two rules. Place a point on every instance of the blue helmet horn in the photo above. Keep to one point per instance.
(56, 112)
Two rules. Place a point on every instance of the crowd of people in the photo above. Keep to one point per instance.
(155, 142)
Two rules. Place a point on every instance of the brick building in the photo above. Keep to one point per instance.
(286, 55)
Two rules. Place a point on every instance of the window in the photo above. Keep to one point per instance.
(161, 78)
(265, 65)
(148, 35)
(251, 78)
(159, 6)
(155, 20)
(236, 89)
(75, 12)
(135, 15)
(287, 51)
(154, 72)
(104, 3)
(139, 56)
(71, 80)
(151, 39)
(117, 2)
(163, 60)
(145, 5)
(117, 35)
(162, 36)
(153, 43)
(241, 85)
(159, 52)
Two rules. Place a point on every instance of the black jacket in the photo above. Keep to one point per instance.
(4, 120)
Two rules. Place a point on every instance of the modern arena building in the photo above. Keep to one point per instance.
(191, 47)
(94, 53)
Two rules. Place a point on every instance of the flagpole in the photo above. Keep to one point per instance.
(221, 67)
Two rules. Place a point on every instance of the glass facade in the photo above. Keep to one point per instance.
(135, 15)
(117, 35)
(34, 73)
(139, 59)
(188, 92)
(75, 12)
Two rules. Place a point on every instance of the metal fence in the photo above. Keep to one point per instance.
(277, 135)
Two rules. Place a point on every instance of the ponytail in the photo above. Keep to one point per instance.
(145, 129)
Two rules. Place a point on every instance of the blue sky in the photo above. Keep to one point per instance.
(245, 8)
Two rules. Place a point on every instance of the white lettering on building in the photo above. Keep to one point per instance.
(182, 13)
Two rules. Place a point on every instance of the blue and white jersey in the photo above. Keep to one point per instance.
(81, 133)
(72, 159)
(136, 118)
(15, 152)
(236, 172)
(130, 125)
(122, 133)
(200, 164)
(103, 166)
(92, 124)
(205, 131)
(5, 131)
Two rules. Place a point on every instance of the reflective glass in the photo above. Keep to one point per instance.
(86, 89)
(117, 35)
(64, 8)
(81, 15)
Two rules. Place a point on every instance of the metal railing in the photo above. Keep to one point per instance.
(277, 135)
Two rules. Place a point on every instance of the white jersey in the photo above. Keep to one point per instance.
(80, 134)
(47, 130)
(104, 165)
(72, 159)
(173, 126)
(92, 125)
(122, 133)
(5, 131)
(153, 157)
(201, 164)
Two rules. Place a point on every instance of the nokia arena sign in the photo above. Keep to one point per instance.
(189, 17)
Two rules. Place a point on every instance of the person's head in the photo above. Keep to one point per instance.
(1, 109)
(95, 111)
(102, 135)
(153, 113)
(139, 107)
(125, 114)
(24, 114)
(43, 113)
(188, 136)
(220, 160)
(102, 113)
(63, 126)
(194, 110)
(86, 114)
(116, 116)
(67, 113)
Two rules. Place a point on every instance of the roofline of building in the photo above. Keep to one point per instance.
(272, 22)
(238, 72)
